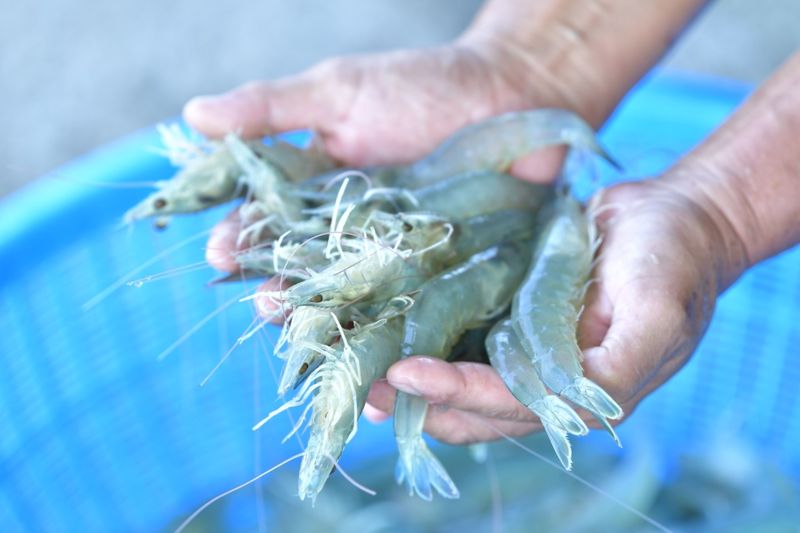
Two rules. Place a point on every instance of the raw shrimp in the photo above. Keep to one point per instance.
(478, 233)
(375, 275)
(340, 386)
(478, 193)
(548, 304)
(207, 180)
(307, 326)
(296, 164)
(519, 374)
(211, 173)
(448, 305)
(282, 258)
(376, 271)
(269, 202)
(495, 143)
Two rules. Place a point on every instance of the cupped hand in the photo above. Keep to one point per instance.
(380, 109)
(660, 267)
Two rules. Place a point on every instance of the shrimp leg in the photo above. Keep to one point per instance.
(519, 374)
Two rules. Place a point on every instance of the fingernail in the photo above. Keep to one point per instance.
(406, 386)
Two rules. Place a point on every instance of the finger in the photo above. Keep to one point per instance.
(472, 387)
(381, 396)
(308, 100)
(374, 415)
(640, 340)
(541, 166)
(448, 424)
(267, 304)
(222, 246)
(454, 426)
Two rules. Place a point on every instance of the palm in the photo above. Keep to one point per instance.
(645, 312)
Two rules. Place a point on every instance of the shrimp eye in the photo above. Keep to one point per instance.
(407, 227)
(303, 368)
(159, 203)
(317, 298)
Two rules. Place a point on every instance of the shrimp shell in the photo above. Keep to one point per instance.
(547, 306)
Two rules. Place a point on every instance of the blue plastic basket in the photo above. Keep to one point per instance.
(95, 434)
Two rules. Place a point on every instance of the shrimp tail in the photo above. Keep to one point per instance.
(604, 422)
(559, 420)
(593, 398)
(420, 470)
(417, 466)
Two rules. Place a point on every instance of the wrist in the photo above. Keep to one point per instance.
(583, 55)
(532, 80)
(699, 183)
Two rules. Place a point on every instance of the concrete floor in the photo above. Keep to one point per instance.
(76, 74)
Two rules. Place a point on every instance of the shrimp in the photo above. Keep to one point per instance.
(295, 164)
(448, 305)
(307, 326)
(478, 193)
(281, 258)
(376, 271)
(478, 233)
(495, 143)
(519, 374)
(340, 386)
(211, 172)
(207, 180)
(547, 306)
(357, 277)
(268, 190)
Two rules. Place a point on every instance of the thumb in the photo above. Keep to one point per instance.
(307, 100)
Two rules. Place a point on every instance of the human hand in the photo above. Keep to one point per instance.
(663, 260)
(670, 246)
(378, 109)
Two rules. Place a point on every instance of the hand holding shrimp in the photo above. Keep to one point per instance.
(670, 246)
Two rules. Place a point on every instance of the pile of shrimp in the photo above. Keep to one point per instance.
(430, 258)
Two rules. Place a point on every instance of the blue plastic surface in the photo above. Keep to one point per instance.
(95, 434)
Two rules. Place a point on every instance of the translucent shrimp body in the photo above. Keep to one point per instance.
(211, 172)
(478, 193)
(376, 270)
(282, 258)
(295, 164)
(343, 382)
(207, 180)
(446, 307)
(357, 277)
(478, 233)
(519, 374)
(493, 144)
(547, 306)
(306, 327)
(269, 202)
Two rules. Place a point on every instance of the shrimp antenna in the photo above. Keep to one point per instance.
(346, 175)
(234, 489)
(350, 480)
(579, 479)
(105, 293)
(202, 322)
(171, 273)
